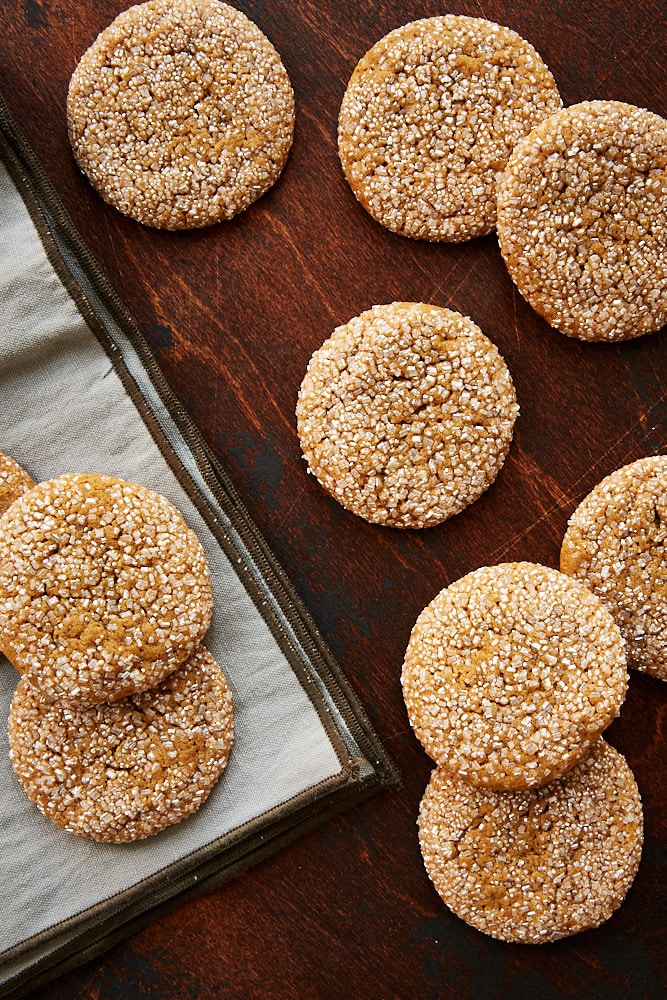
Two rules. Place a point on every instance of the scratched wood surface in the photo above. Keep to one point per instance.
(233, 314)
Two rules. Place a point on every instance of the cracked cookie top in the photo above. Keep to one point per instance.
(181, 113)
(406, 414)
(511, 674)
(616, 543)
(535, 866)
(582, 220)
(104, 589)
(125, 770)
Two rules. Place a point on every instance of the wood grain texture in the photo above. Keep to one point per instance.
(233, 314)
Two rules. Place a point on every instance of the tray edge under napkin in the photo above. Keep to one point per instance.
(366, 769)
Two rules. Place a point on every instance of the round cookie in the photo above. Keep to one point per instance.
(104, 589)
(616, 543)
(539, 865)
(429, 118)
(14, 481)
(511, 674)
(582, 220)
(406, 414)
(125, 770)
(181, 113)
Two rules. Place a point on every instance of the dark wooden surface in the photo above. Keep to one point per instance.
(233, 314)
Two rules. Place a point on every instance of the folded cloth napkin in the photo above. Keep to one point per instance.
(80, 392)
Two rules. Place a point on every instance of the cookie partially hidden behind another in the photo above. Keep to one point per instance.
(430, 117)
(535, 866)
(181, 113)
(406, 414)
(582, 220)
(616, 544)
(14, 481)
(126, 770)
(104, 589)
(511, 673)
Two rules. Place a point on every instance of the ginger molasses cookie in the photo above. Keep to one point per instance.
(430, 117)
(616, 543)
(582, 220)
(406, 414)
(181, 113)
(124, 770)
(14, 481)
(511, 674)
(535, 866)
(104, 589)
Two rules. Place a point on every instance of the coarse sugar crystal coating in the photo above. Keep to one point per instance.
(125, 770)
(511, 674)
(429, 118)
(582, 220)
(406, 414)
(616, 544)
(104, 589)
(181, 113)
(535, 866)
(14, 481)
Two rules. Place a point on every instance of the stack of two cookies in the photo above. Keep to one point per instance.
(122, 722)
(531, 826)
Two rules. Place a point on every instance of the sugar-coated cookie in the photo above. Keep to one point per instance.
(14, 481)
(125, 770)
(430, 117)
(181, 113)
(582, 220)
(406, 414)
(616, 543)
(535, 866)
(511, 674)
(104, 589)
